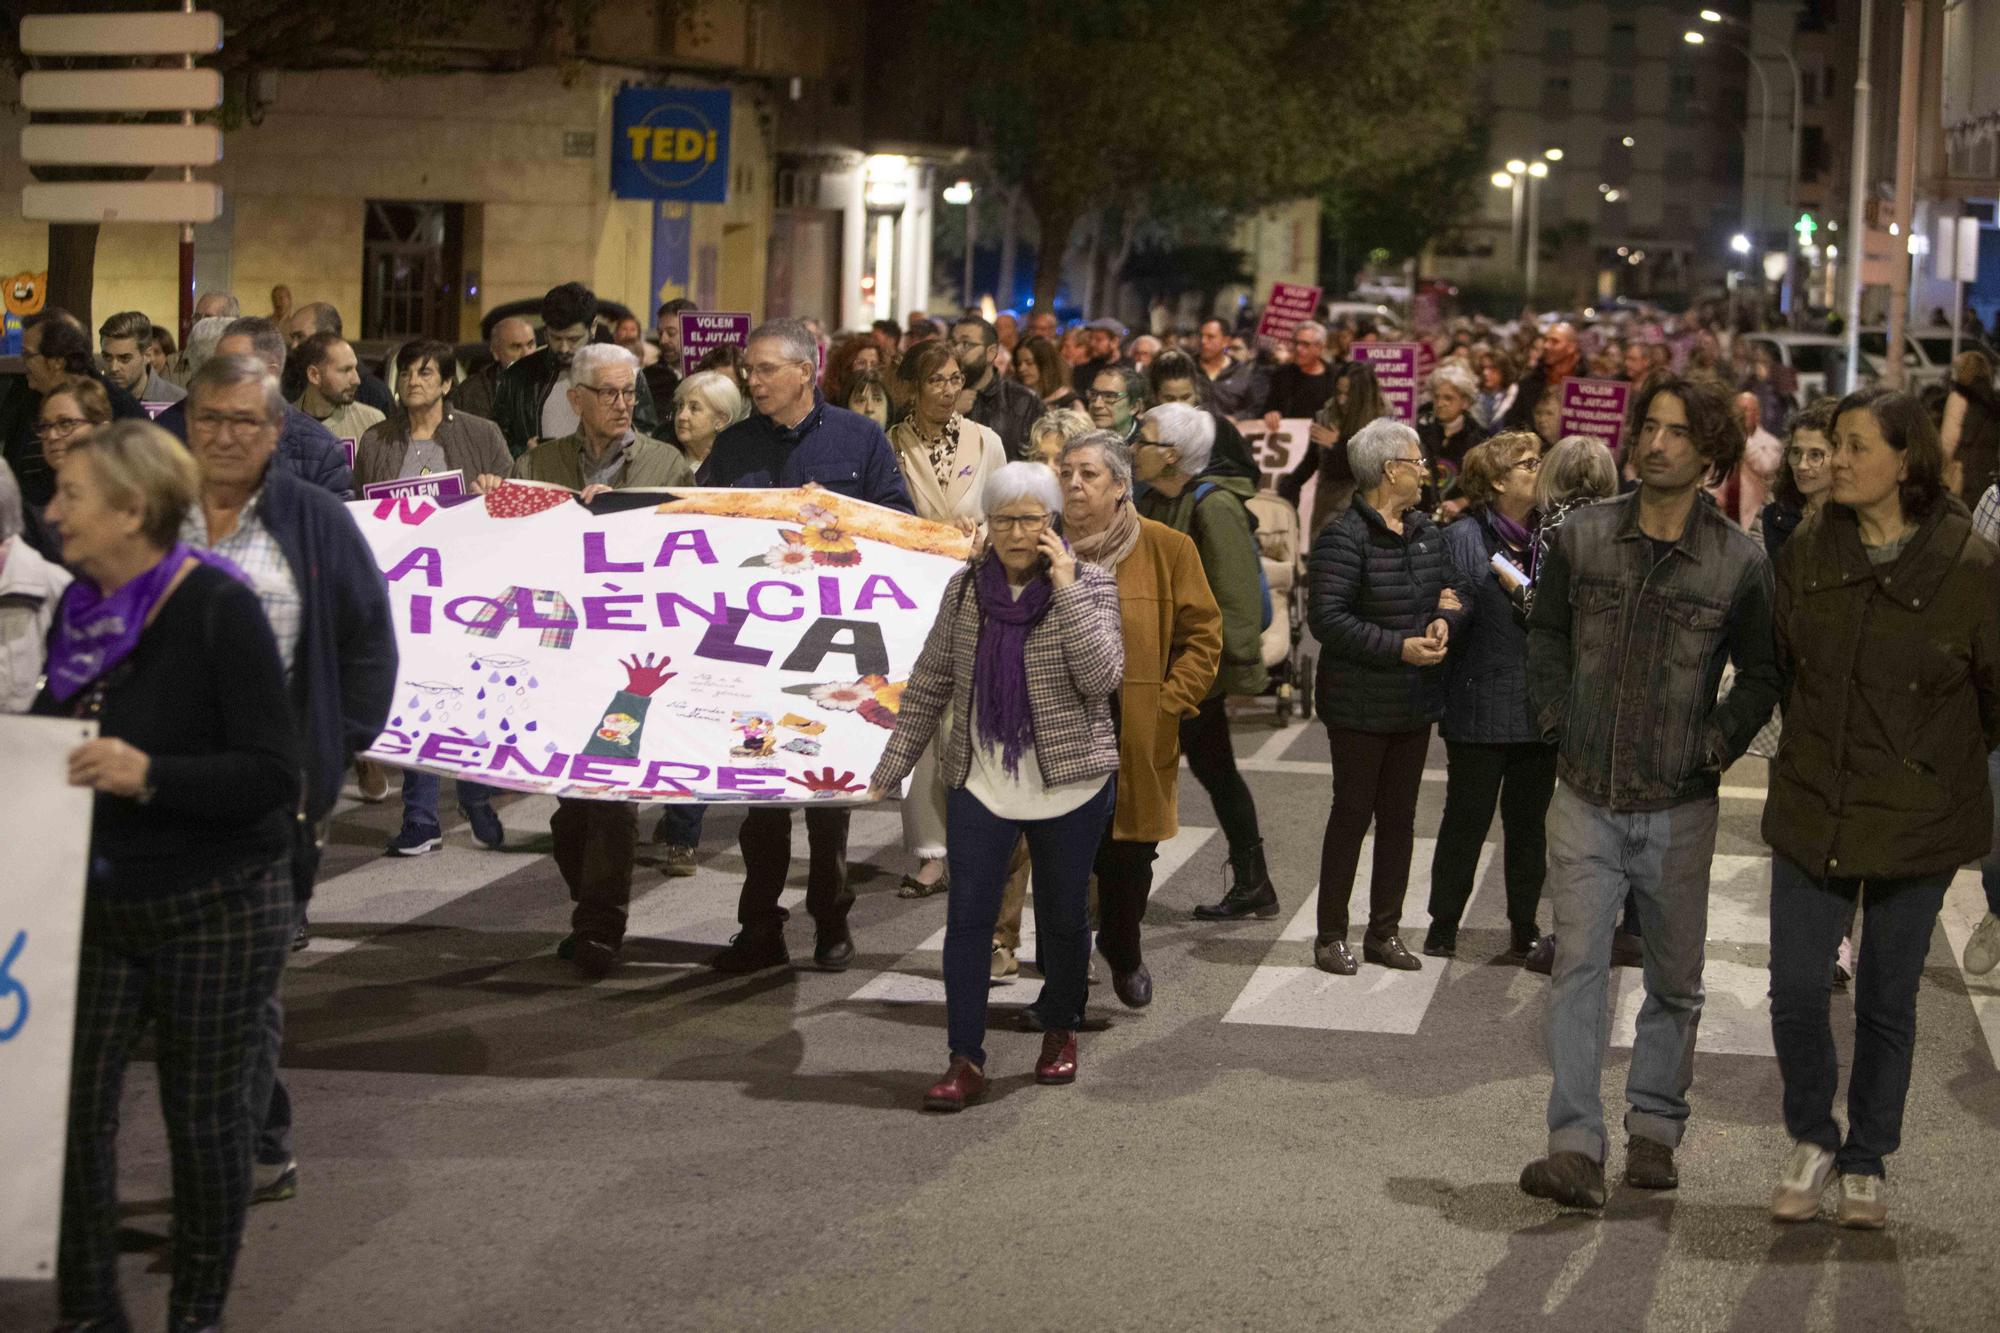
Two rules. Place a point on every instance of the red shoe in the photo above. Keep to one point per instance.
(963, 1082)
(1058, 1062)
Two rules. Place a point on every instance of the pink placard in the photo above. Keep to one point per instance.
(1291, 305)
(1395, 366)
(435, 485)
(1596, 408)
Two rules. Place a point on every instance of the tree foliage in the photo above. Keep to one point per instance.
(1175, 105)
(1406, 207)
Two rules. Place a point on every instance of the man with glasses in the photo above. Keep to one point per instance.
(1300, 387)
(328, 607)
(532, 402)
(794, 437)
(1004, 406)
(1115, 398)
(1639, 603)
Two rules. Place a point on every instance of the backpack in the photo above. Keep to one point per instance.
(1201, 493)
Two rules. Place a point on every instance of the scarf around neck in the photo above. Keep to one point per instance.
(94, 631)
(1509, 531)
(1000, 671)
(1108, 549)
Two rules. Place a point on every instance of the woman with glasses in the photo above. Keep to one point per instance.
(946, 459)
(1495, 753)
(73, 407)
(1383, 600)
(1805, 477)
(1017, 677)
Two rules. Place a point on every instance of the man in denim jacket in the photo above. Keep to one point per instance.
(1640, 601)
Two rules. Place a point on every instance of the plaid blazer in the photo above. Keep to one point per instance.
(1076, 660)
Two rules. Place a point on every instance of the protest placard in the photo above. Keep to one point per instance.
(1291, 304)
(1596, 408)
(702, 332)
(1276, 452)
(1395, 366)
(720, 645)
(45, 828)
(435, 485)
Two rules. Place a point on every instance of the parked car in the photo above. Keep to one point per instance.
(1926, 356)
(1813, 358)
(1381, 316)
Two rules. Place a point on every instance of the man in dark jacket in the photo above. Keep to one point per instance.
(1640, 602)
(794, 437)
(532, 401)
(1101, 340)
(1005, 407)
(306, 449)
(512, 339)
(329, 611)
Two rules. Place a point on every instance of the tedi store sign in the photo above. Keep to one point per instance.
(671, 143)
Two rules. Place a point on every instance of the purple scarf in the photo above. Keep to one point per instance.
(94, 633)
(1509, 531)
(1000, 674)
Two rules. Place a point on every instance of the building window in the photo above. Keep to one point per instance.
(1556, 95)
(1618, 96)
(1621, 46)
(411, 257)
(1814, 160)
(1679, 165)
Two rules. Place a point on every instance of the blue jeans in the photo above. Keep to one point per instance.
(978, 844)
(1989, 867)
(1807, 918)
(1597, 856)
(680, 825)
(422, 790)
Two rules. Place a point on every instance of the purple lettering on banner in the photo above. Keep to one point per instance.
(424, 558)
(435, 486)
(1395, 366)
(671, 604)
(719, 643)
(420, 613)
(693, 540)
(347, 451)
(1291, 305)
(595, 561)
(391, 743)
(504, 755)
(495, 612)
(871, 593)
(600, 768)
(460, 750)
(829, 596)
(1596, 408)
(750, 780)
(611, 612)
(756, 598)
(658, 776)
(702, 332)
(529, 616)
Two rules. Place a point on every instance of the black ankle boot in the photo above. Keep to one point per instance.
(1250, 894)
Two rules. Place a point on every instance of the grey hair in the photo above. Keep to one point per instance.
(594, 358)
(230, 305)
(1375, 444)
(1458, 377)
(1309, 326)
(1187, 430)
(1021, 481)
(10, 504)
(719, 391)
(226, 372)
(264, 336)
(798, 340)
(202, 338)
(1065, 423)
(1578, 468)
(1116, 453)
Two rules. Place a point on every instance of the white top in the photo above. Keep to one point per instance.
(558, 417)
(1021, 795)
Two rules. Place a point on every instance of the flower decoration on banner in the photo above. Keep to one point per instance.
(822, 534)
(886, 702)
(520, 499)
(787, 556)
(874, 699)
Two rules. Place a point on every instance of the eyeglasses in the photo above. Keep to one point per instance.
(952, 382)
(1104, 395)
(1530, 465)
(1413, 462)
(217, 423)
(62, 427)
(1018, 522)
(1808, 457)
(967, 344)
(764, 370)
(611, 396)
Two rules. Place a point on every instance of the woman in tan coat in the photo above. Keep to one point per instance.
(946, 460)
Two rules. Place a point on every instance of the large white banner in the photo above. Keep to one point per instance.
(1278, 452)
(45, 829)
(713, 645)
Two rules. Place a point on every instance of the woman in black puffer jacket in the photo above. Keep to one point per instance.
(1383, 597)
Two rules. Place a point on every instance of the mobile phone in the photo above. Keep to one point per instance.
(1502, 565)
(1055, 526)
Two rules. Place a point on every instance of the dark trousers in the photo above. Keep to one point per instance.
(594, 853)
(766, 840)
(680, 825)
(978, 844)
(1808, 917)
(1212, 759)
(1376, 777)
(269, 1104)
(196, 965)
(1124, 883)
(1520, 779)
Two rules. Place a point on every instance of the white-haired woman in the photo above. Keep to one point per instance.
(1448, 429)
(1027, 648)
(1174, 456)
(29, 589)
(706, 403)
(946, 460)
(1383, 597)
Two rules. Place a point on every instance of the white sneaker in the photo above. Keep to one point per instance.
(1005, 968)
(1861, 1203)
(1798, 1194)
(1982, 951)
(1843, 964)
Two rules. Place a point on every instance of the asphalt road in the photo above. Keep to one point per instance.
(488, 1143)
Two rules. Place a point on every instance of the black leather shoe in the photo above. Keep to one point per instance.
(1389, 952)
(1250, 894)
(751, 953)
(1542, 958)
(1441, 942)
(1567, 1178)
(1331, 954)
(1030, 1021)
(593, 958)
(1135, 988)
(1649, 1165)
(1521, 941)
(834, 953)
(1626, 951)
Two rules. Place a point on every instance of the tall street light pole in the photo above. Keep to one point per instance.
(1857, 201)
(1792, 251)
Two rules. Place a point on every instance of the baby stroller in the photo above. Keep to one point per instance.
(1287, 650)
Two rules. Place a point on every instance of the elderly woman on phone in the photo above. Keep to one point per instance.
(1026, 651)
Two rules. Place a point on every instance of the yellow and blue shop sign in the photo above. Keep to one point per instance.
(671, 143)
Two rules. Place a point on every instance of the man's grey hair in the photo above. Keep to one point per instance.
(1580, 467)
(1310, 326)
(1373, 445)
(719, 391)
(593, 359)
(264, 336)
(226, 372)
(793, 335)
(1458, 377)
(203, 335)
(10, 504)
(1021, 481)
(231, 307)
(1117, 455)
(325, 318)
(1187, 430)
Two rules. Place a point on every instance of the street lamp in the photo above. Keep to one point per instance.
(1740, 243)
(959, 193)
(1798, 108)
(1521, 176)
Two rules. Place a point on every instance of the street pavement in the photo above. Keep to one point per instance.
(488, 1143)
